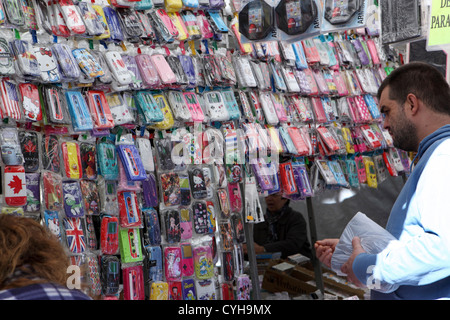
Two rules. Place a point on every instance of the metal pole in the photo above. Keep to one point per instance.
(313, 233)
(248, 230)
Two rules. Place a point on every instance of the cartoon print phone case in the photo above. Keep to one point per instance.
(73, 202)
(203, 262)
(159, 290)
(200, 217)
(170, 187)
(188, 286)
(172, 263)
(198, 185)
(48, 64)
(172, 225)
(91, 197)
(33, 183)
(31, 103)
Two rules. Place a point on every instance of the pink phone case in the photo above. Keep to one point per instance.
(187, 260)
(297, 139)
(194, 106)
(165, 73)
(148, 71)
(172, 263)
(234, 192)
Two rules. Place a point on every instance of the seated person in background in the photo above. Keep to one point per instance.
(284, 230)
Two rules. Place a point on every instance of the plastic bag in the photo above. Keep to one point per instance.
(373, 240)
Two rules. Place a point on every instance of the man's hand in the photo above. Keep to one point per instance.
(347, 267)
(325, 249)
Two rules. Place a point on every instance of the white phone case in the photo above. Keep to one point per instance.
(268, 108)
(118, 68)
(215, 106)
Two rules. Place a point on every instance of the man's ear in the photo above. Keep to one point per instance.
(413, 104)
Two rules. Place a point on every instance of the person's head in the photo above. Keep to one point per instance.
(26, 245)
(415, 101)
(275, 202)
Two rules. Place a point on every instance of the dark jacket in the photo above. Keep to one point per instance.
(291, 232)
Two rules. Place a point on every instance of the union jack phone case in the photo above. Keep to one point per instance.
(75, 238)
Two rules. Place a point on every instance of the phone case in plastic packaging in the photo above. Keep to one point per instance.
(26, 60)
(152, 233)
(92, 24)
(267, 106)
(147, 29)
(215, 106)
(203, 23)
(188, 67)
(133, 283)
(75, 235)
(73, 203)
(194, 106)
(10, 105)
(166, 22)
(29, 142)
(154, 262)
(68, 65)
(70, 151)
(203, 262)
(119, 108)
(72, 17)
(192, 27)
(179, 106)
(107, 160)
(56, 106)
(231, 104)
(59, 26)
(217, 22)
(165, 73)
(147, 70)
(148, 108)
(132, 162)
(114, 25)
(162, 33)
(91, 197)
(53, 194)
(179, 24)
(130, 245)
(99, 108)
(33, 183)
(79, 112)
(172, 263)
(118, 68)
(6, 56)
(129, 212)
(172, 226)
(143, 5)
(133, 70)
(168, 121)
(131, 24)
(87, 63)
(177, 68)
(14, 13)
(109, 275)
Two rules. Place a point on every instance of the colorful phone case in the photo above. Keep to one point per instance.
(87, 63)
(172, 224)
(130, 245)
(109, 275)
(10, 106)
(91, 197)
(168, 121)
(187, 260)
(194, 106)
(148, 108)
(203, 262)
(198, 184)
(159, 291)
(109, 235)
(79, 111)
(155, 263)
(15, 191)
(132, 163)
(73, 202)
(188, 286)
(72, 160)
(129, 212)
(99, 108)
(75, 238)
(133, 283)
(172, 263)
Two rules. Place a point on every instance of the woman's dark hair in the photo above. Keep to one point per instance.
(421, 79)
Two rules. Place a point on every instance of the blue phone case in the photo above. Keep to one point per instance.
(132, 163)
(107, 160)
(79, 111)
(148, 107)
(115, 28)
(231, 104)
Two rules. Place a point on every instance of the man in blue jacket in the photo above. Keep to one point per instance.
(415, 101)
